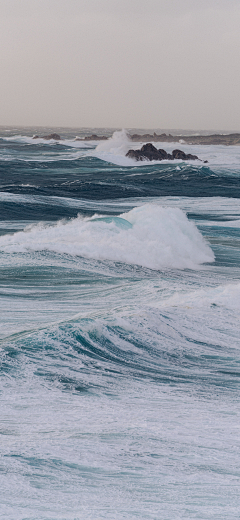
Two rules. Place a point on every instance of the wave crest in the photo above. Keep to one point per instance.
(158, 237)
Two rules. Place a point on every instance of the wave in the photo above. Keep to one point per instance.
(166, 343)
(72, 143)
(118, 144)
(227, 210)
(227, 296)
(218, 156)
(150, 236)
(115, 148)
(230, 224)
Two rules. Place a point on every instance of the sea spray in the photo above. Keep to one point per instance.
(118, 144)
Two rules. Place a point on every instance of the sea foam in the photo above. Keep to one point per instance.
(219, 157)
(114, 150)
(71, 143)
(150, 236)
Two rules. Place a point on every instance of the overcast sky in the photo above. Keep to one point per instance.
(120, 63)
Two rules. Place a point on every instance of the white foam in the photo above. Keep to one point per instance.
(72, 143)
(227, 296)
(118, 144)
(218, 156)
(115, 148)
(77, 144)
(157, 238)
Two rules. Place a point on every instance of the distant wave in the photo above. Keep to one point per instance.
(115, 148)
(64, 142)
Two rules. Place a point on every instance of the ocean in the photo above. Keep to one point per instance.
(119, 330)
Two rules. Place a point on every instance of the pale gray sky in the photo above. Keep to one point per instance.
(120, 63)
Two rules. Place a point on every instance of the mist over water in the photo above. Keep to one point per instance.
(119, 330)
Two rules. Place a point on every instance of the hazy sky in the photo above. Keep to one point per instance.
(120, 63)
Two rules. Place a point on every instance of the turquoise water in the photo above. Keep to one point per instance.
(119, 332)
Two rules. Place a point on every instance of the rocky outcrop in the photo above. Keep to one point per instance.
(150, 153)
(179, 154)
(224, 139)
(56, 137)
(93, 137)
(151, 137)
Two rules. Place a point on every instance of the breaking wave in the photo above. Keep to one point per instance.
(150, 236)
(71, 143)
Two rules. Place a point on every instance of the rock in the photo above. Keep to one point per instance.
(223, 139)
(56, 137)
(164, 154)
(178, 154)
(150, 153)
(93, 137)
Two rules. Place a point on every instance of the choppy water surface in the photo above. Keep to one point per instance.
(119, 331)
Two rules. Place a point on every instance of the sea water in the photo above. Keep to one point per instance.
(119, 330)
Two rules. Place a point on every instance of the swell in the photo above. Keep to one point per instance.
(90, 178)
(96, 354)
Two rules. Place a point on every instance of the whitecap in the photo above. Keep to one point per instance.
(159, 237)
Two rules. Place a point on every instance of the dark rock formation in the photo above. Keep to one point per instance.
(150, 153)
(56, 137)
(93, 137)
(178, 154)
(224, 139)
